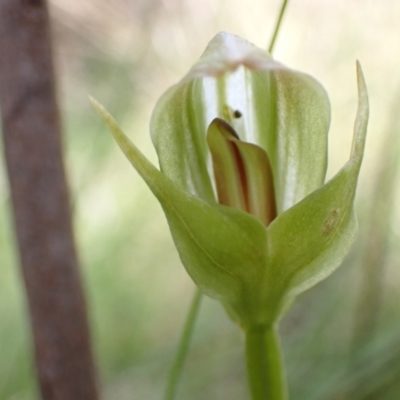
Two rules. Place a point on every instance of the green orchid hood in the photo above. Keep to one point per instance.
(245, 131)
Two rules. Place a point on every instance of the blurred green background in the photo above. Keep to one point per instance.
(342, 338)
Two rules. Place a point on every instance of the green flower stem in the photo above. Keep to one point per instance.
(265, 364)
(277, 26)
(255, 378)
(183, 347)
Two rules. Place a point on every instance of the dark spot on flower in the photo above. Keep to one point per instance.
(331, 222)
(237, 114)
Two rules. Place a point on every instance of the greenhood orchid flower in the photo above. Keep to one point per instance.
(242, 146)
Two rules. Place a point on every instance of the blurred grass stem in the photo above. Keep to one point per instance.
(184, 343)
(277, 26)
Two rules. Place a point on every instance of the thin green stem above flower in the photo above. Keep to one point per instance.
(277, 26)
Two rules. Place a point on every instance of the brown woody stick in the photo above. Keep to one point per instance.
(32, 139)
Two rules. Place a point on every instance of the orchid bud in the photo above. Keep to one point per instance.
(242, 146)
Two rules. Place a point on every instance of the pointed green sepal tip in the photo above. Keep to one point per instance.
(361, 123)
(151, 175)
